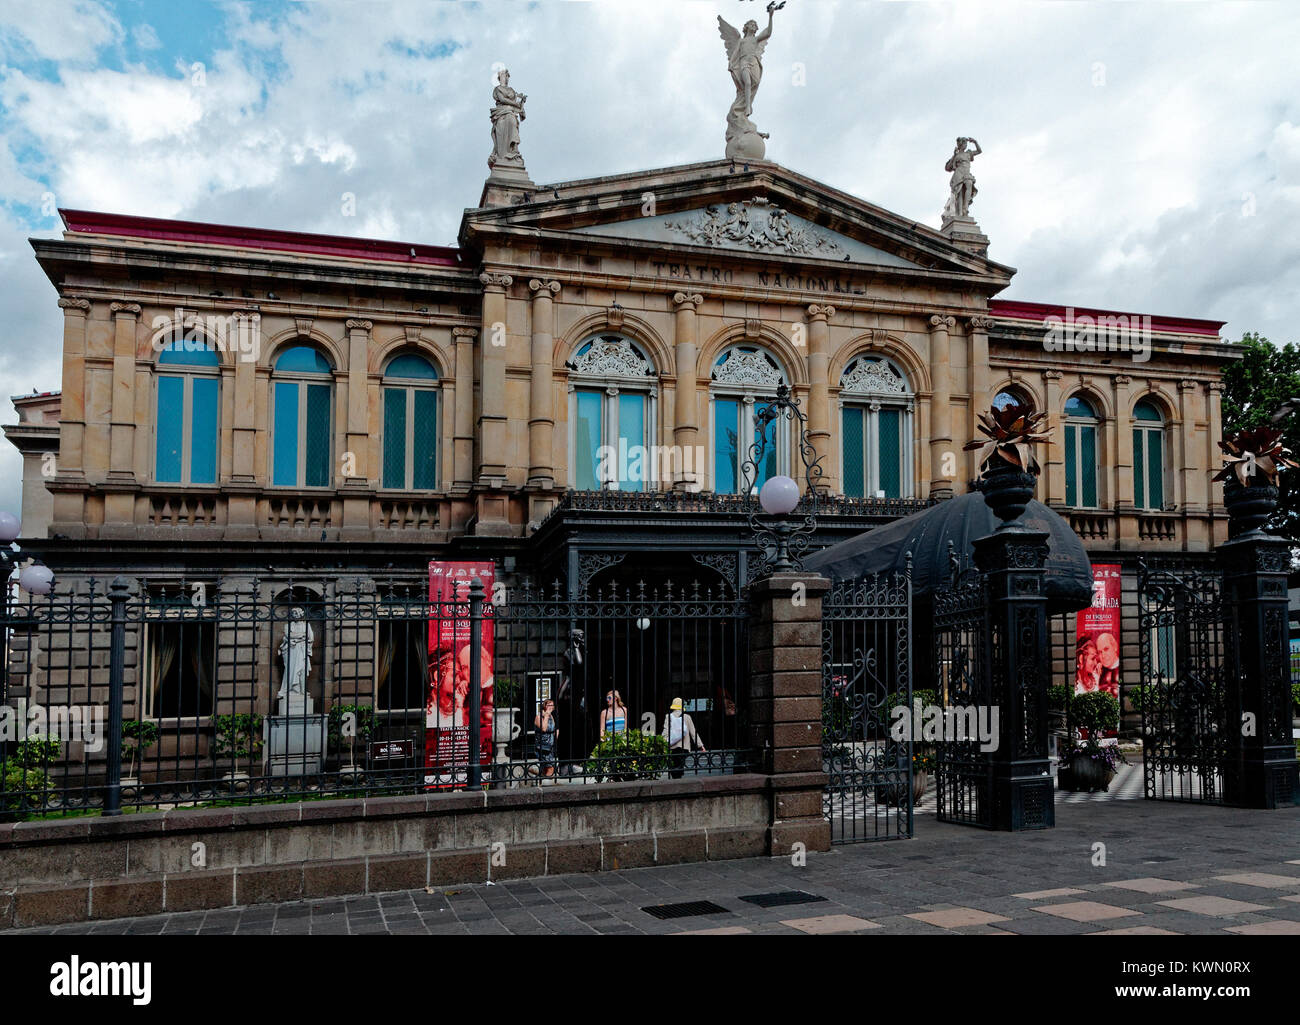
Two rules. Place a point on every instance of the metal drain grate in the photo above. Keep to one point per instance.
(782, 898)
(687, 909)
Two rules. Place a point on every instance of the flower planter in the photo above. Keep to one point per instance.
(919, 781)
(1088, 773)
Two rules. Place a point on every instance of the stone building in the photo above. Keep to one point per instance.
(567, 391)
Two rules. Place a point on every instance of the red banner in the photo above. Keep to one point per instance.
(1097, 635)
(447, 710)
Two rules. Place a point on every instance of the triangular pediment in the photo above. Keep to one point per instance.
(756, 225)
(761, 210)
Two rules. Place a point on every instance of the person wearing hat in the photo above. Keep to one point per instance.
(680, 733)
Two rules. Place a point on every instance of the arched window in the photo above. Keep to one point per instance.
(876, 436)
(1148, 456)
(410, 424)
(611, 416)
(744, 377)
(1081, 424)
(1012, 394)
(302, 396)
(186, 425)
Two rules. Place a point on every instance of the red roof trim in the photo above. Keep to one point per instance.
(127, 226)
(1041, 311)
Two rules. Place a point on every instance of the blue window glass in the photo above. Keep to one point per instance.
(411, 366)
(855, 452)
(631, 434)
(424, 440)
(189, 351)
(317, 468)
(726, 445)
(890, 453)
(586, 441)
(203, 431)
(285, 460)
(170, 429)
(302, 359)
(394, 475)
(766, 461)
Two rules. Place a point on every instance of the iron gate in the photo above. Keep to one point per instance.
(1183, 694)
(963, 773)
(866, 674)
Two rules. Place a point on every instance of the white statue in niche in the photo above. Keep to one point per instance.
(295, 652)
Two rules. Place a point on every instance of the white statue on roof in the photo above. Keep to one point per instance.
(745, 62)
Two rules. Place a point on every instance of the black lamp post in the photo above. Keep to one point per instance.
(782, 539)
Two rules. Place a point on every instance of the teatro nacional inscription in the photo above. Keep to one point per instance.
(839, 284)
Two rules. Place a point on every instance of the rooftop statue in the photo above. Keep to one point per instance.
(745, 62)
(506, 115)
(962, 182)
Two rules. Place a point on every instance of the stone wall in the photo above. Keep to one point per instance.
(95, 868)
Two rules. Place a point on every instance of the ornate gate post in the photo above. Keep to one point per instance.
(785, 659)
(1013, 560)
(1260, 769)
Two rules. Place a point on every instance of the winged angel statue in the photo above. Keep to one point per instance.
(745, 62)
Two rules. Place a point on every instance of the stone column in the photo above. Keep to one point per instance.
(690, 470)
(1014, 562)
(785, 659)
(541, 399)
(1213, 435)
(492, 418)
(120, 484)
(463, 437)
(819, 395)
(354, 466)
(72, 408)
(1194, 478)
(1126, 524)
(977, 361)
(1054, 491)
(940, 404)
(1260, 769)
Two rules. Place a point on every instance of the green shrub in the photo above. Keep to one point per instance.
(17, 779)
(1094, 711)
(364, 725)
(1058, 697)
(237, 736)
(1295, 696)
(38, 754)
(138, 735)
(630, 754)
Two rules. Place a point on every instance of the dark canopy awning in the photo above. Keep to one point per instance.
(960, 520)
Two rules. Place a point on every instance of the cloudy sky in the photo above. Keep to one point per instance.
(1138, 156)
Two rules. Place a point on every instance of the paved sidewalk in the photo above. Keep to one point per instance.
(1168, 868)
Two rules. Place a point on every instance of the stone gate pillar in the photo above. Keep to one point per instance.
(940, 404)
(1014, 562)
(1260, 770)
(785, 658)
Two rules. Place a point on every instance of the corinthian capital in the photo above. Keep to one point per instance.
(539, 288)
(941, 322)
(73, 304)
(682, 300)
(130, 309)
(816, 312)
(359, 325)
(496, 280)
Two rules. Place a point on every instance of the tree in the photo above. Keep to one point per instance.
(1254, 389)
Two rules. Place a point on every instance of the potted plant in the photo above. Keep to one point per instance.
(1091, 764)
(922, 767)
(236, 736)
(1006, 458)
(348, 722)
(26, 784)
(1295, 706)
(506, 694)
(629, 754)
(138, 735)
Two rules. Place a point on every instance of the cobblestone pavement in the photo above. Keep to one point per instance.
(1168, 868)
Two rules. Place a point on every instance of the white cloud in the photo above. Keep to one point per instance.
(1124, 193)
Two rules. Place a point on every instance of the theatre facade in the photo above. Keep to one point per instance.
(569, 391)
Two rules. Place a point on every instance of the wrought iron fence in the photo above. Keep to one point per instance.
(866, 676)
(1183, 690)
(188, 693)
(963, 678)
